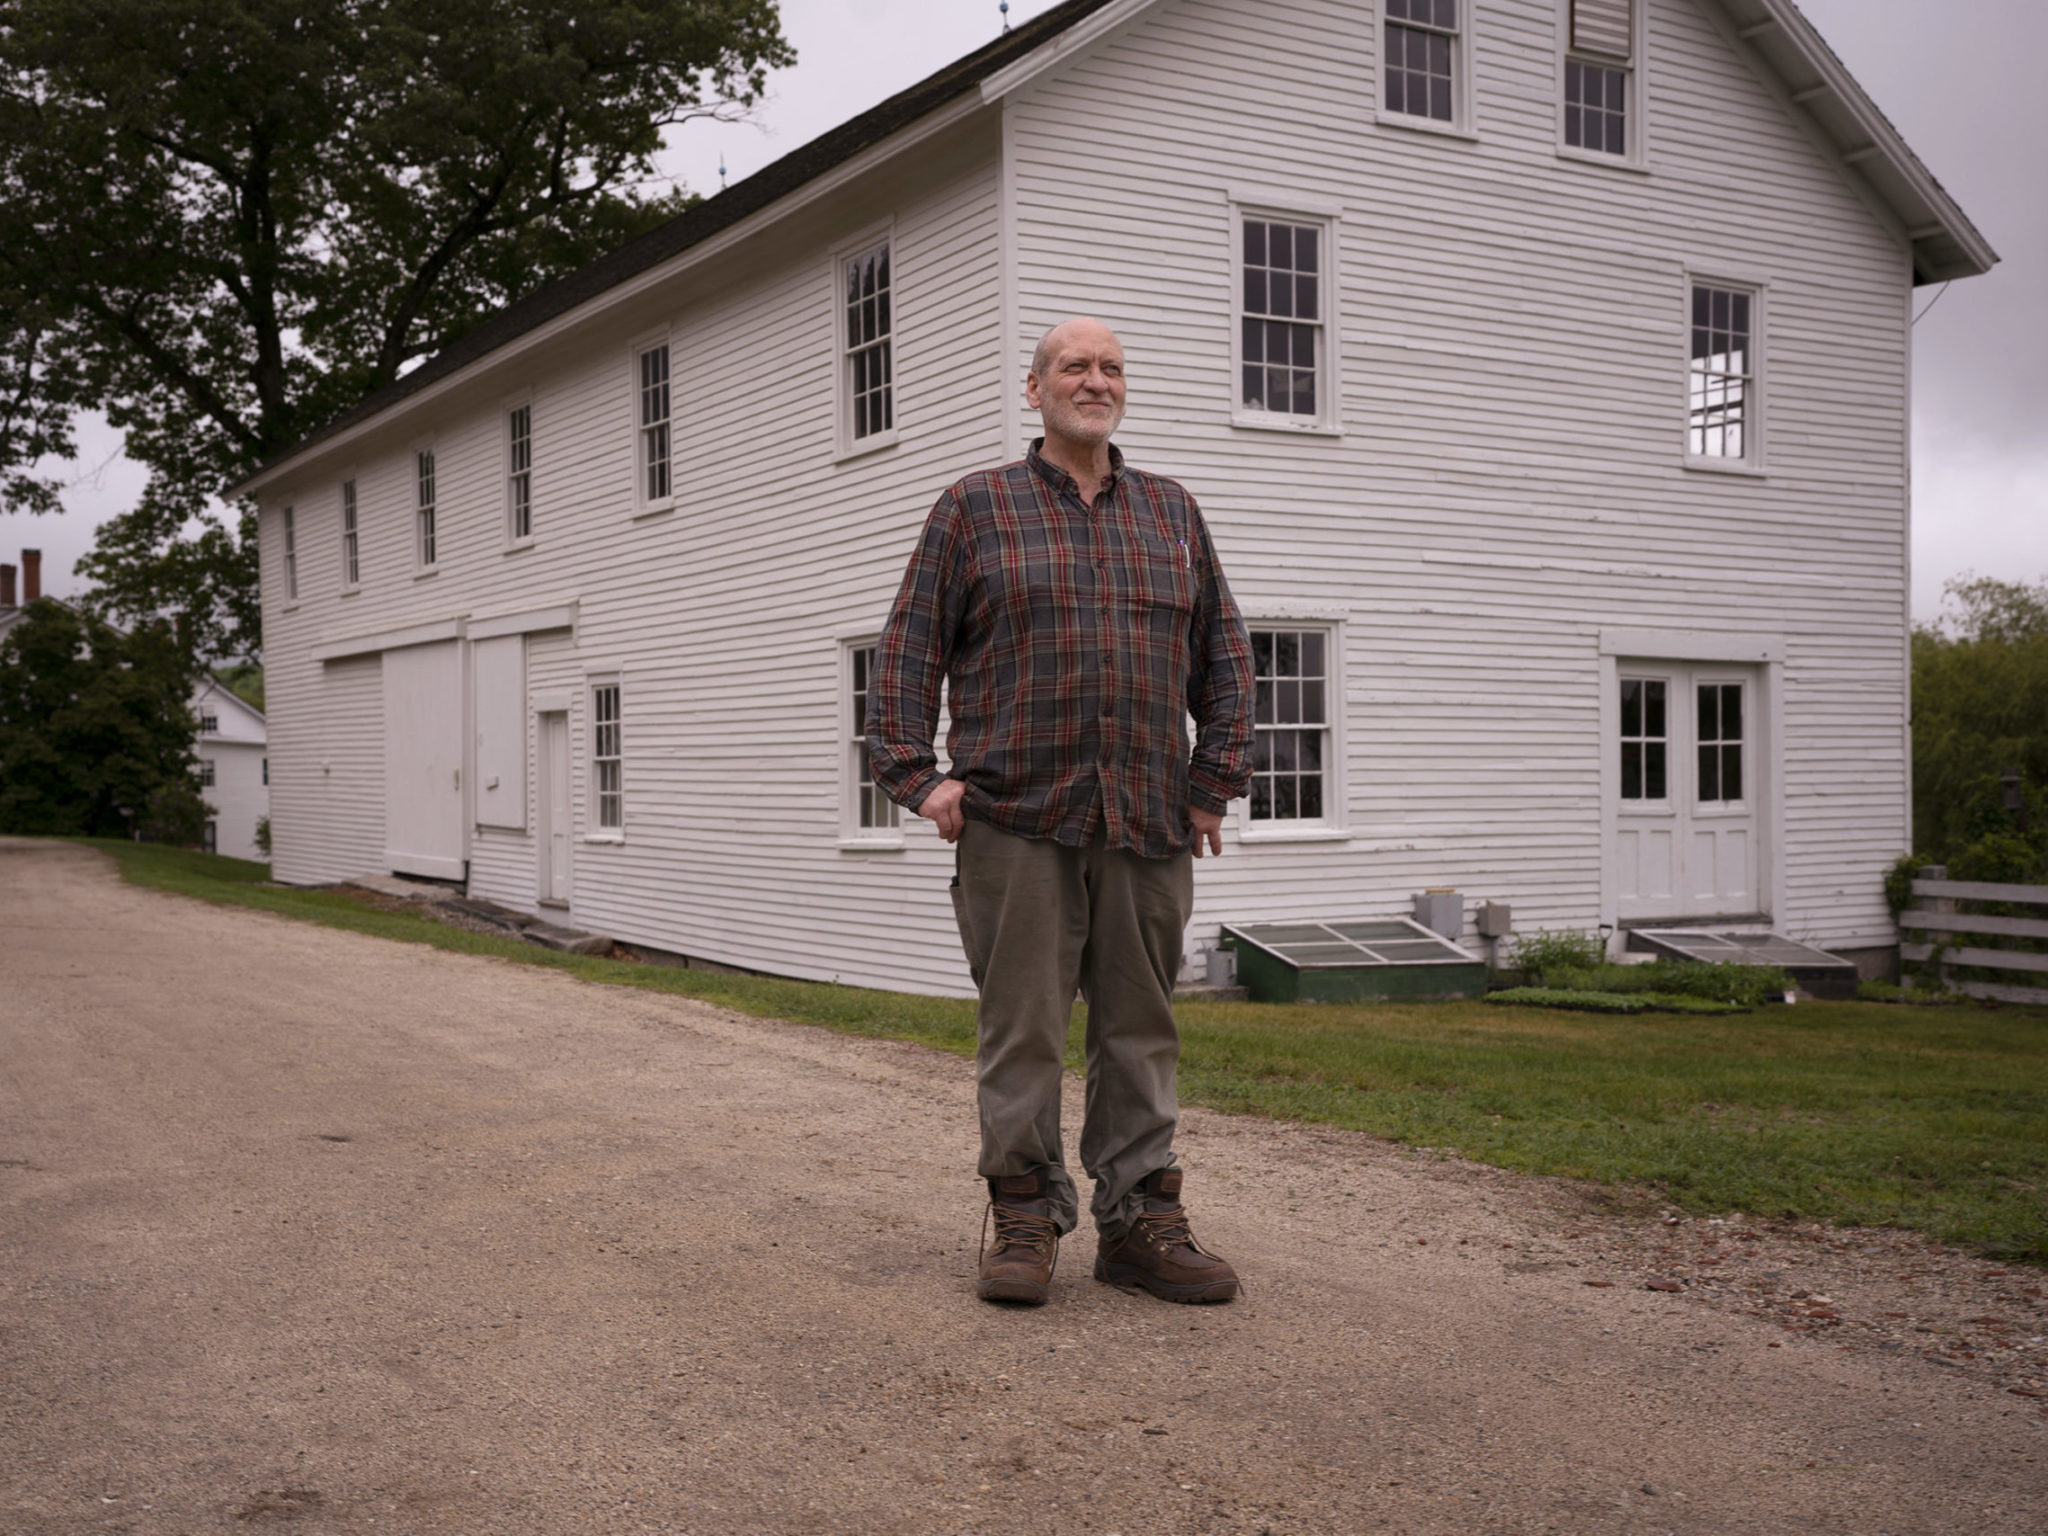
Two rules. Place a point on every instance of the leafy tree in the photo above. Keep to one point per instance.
(226, 221)
(1980, 711)
(95, 728)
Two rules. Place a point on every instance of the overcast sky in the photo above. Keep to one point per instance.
(1959, 78)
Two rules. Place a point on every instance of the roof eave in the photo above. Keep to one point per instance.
(1945, 244)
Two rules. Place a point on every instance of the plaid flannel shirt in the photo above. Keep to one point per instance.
(1075, 640)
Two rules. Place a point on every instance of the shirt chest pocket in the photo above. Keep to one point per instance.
(1160, 571)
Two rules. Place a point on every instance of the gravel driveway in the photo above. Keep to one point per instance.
(307, 1229)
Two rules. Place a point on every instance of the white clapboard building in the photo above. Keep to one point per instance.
(1540, 365)
(234, 769)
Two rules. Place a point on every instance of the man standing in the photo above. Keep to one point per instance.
(1077, 610)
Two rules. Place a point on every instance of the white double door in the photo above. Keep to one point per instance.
(1686, 791)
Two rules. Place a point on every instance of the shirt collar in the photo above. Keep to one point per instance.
(1060, 480)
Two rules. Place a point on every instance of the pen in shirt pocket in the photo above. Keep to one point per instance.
(1187, 561)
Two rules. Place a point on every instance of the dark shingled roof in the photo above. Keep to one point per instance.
(712, 216)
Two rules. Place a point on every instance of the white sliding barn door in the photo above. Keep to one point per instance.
(423, 739)
(1688, 791)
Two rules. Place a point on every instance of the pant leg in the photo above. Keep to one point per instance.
(1139, 911)
(1023, 911)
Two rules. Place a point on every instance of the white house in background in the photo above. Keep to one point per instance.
(1541, 366)
(234, 769)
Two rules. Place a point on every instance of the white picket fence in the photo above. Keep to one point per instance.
(1945, 926)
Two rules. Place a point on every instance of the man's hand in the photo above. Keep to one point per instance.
(942, 806)
(1208, 829)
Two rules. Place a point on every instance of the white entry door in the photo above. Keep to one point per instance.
(424, 823)
(556, 831)
(1686, 823)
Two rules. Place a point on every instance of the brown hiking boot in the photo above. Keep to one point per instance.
(1019, 1267)
(1159, 1254)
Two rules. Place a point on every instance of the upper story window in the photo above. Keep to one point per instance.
(291, 555)
(519, 473)
(869, 349)
(1422, 67)
(426, 550)
(351, 541)
(607, 758)
(206, 772)
(1292, 758)
(1722, 382)
(209, 725)
(1283, 345)
(871, 810)
(654, 424)
(1599, 77)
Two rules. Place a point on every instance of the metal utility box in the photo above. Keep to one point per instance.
(1387, 959)
(1441, 912)
(1496, 920)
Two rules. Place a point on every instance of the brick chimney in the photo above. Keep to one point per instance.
(31, 575)
(6, 586)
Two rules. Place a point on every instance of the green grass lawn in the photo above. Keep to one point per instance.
(1928, 1118)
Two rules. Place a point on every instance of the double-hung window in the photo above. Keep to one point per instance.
(206, 772)
(651, 367)
(519, 473)
(291, 555)
(1722, 377)
(1293, 762)
(1283, 320)
(870, 812)
(1422, 72)
(868, 356)
(426, 550)
(209, 725)
(351, 539)
(607, 759)
(1600, 78)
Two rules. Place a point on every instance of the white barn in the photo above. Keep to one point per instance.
(234, 769)
(1541, 367)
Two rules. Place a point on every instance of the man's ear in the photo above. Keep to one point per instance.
(1031, 390)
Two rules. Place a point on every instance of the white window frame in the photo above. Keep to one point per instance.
(426, 518)
(1674, 763)
(209, 723)
(1462, 120)
(1756, 433)
(644, 504)
(518, 475)
(1328, 422)
(1333, 825)
(867, 240)
(595, 686)
(852, 754)
(351, 520)
(291, 556)
(1636, 105)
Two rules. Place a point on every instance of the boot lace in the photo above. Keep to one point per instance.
(1168, 1229)
(1021, 1229)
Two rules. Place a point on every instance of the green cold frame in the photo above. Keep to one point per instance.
(1378, 960)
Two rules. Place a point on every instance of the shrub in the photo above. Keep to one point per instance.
(1748, 986)
(1538, 954)
(1583, 1000)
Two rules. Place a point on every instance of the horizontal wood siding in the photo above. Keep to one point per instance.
(1509, 477)
(722, 619)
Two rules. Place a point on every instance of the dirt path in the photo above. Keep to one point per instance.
(298, 1226)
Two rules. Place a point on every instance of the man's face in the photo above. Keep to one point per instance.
(1080, 396)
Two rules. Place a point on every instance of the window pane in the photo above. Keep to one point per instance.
(1262, 653)
(1731, 712)
(1288, 703)
(1710, 713)
(1285, 805)
(1710, 773)
(1653, 771)
(1631, 770)
(1311, 797)
(1731, 771)
(1631, 707)
(1653, 709)
(1312, 704)
(1287, 654)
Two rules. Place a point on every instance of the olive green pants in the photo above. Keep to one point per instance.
(1038, 920)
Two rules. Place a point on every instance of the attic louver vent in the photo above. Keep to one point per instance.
(1605, 27)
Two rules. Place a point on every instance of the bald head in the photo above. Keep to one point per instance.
(1065, 333)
